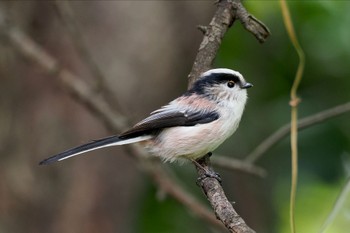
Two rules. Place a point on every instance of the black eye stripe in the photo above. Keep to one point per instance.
(210, 80)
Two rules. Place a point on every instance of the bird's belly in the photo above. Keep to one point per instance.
(190, 142)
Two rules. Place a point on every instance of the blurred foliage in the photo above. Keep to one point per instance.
(315, 201)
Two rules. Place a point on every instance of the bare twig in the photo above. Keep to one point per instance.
(238, 165)
(67, 17)
(250, 23)
(71, 82)
(304, 123)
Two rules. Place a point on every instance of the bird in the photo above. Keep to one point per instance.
(187, 128)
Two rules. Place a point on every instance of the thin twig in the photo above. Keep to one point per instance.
(71, 82)
(67, 17)
(237, 165)
(304, 123)
(71, 24)
(250, 23)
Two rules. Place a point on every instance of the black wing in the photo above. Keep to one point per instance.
(168, 117)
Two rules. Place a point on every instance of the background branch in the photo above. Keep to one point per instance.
(236, 164)
(66, 14)
(304, 123)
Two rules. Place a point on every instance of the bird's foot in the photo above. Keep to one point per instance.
(209, 174)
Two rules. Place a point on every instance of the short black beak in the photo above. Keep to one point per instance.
(246, 85)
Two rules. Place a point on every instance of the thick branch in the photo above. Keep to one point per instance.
(218, 200)
(225, 15)
(220, 23)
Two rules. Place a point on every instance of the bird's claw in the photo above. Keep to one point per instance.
(208, 174)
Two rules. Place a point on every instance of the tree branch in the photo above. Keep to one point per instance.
(66, 14)
(213, 34)
(250, 23)
(78, 89)
(238, 165)
(218, 200)
(67, 17)
(227, 12)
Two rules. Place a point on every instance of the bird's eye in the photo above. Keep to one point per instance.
(230, 84)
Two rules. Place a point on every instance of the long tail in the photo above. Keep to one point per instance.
(94, 145)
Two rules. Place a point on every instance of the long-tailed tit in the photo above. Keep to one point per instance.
(190, 126)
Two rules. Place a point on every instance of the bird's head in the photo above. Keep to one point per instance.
(221, 84)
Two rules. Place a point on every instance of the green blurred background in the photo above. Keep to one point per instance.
(146, 49)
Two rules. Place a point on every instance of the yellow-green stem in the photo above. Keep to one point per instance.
(294, 101)
(294, 149)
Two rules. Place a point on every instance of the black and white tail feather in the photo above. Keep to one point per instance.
(94, 145)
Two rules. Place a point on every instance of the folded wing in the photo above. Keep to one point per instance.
(169, 117)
